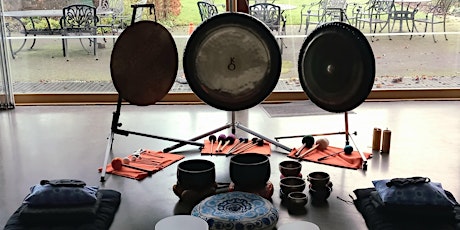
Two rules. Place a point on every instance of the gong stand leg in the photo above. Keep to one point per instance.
(316, 134)
(233, 122)
(239, 126)
(115, 130)
(325, 134)
(116, 124)
(198, 137)
(230, 125)
(233, 125)
(360, 153)
(108, 150)
(347, 142)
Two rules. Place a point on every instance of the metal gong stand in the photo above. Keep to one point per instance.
(143, 66)
(336, 68)
(232, 62)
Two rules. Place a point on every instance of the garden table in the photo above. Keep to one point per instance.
(404, 14)
(30, 14)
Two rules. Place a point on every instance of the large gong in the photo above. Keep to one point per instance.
(336, 67)
(232, 61)
(144, 63)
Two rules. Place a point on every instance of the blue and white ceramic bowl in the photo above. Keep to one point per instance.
(238, 211)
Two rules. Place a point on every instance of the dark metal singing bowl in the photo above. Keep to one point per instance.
(232, 61)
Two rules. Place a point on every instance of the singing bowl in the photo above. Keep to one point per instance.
(196, 174)
(290, 168)
(318, 179)
(297, 199)
(292, 184)
(319, 194)
(144, 63)
(232, 61)
(336, 67)
(249, 170)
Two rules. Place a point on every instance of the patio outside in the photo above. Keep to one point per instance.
(400, 63)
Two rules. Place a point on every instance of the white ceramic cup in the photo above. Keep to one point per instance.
(182, 222)
(304, 225)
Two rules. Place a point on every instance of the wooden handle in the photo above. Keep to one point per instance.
(308, 151)
(300, 150)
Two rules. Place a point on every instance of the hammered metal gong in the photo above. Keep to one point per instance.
(144, 63)
(336, 67)
(232, 61)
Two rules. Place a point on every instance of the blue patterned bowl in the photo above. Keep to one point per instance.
(238, 211)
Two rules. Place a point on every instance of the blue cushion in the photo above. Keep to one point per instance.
(49, 195)
(108, 207)
(427, 193)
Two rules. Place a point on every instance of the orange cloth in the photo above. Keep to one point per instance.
(152, 161)
(352, 161)
(265, 149)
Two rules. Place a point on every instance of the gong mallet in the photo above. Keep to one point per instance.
(307, 141)
(259, 142)
(220, 140)
(240, 142)
(245, 145)
(117, 164)
(228, 141)
(321, 144)
(348, 149)
(212, 139)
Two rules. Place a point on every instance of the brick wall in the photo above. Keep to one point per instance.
(43, 4)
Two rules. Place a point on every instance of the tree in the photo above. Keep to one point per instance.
(166, 8)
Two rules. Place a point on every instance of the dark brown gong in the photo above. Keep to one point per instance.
(232, 61)
(336, 67)
(144, 63)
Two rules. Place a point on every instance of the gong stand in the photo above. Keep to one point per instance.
(347, 139)
(233, 125)
(336, 68)
(148, 79)
(239, 77)
(114, 129)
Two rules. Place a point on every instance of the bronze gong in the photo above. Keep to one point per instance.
(336, 67)
(144, 63)
(232, 61)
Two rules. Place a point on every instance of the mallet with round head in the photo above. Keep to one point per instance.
(212, 139)
(307, 141)
(347, 149)
(321, 144)
(220, 141)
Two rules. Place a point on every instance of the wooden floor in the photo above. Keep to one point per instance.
(49, 142)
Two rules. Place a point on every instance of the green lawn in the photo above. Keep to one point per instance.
(189, 11)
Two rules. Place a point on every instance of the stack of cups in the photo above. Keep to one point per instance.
(292, 186)
(320, 186)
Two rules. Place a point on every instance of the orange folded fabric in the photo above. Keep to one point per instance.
(265, 149)
(150, 162)
(352, 161)
(127, 172)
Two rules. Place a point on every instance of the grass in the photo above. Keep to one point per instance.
(189, 12)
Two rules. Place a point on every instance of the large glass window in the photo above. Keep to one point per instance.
(405, 60)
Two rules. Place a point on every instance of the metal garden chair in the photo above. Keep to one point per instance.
(271, 15)
(79, 20)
